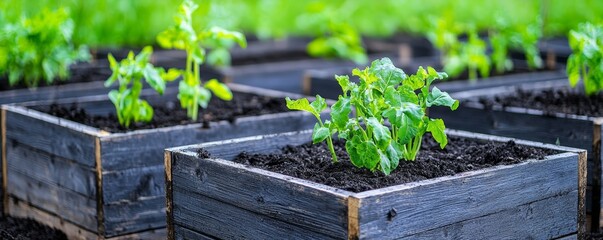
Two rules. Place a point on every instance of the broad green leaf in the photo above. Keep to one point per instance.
(198, 55)
(112, 62)
(371, 155)
(573, 70)
(152, 77)
(394, 153)
(381, 133)
(171, 75)
(340, 112)
(203, 96)
(218, 57)
(439, 98)
(319, 104)
(415, 82)
(407, 94)
(436, 127)
(301, 104)
(387, 73)
(344, 82)
(365, 75)
(219, 89)
(353, 148)
(392, 97)
(320, 133)
(385, 163)
(434, 75)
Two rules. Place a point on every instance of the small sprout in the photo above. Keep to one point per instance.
(129, 73)
(192, 92)
(586, 61)
(385, 95)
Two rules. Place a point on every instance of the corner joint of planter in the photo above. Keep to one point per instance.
(353, 218)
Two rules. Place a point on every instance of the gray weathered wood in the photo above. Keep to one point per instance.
(567, 129)
(49, 134)
(433, 204)
(207, 193)
(51, 169)
(120, 173)
(550, 213)
(279, 197)
(73, 207)
(184, 233)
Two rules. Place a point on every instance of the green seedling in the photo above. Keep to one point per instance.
(39, 49)
(192, 91)
(129, 73)
(384, 95)
(521, 37)
(586, 61)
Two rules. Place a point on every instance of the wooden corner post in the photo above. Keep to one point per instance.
(353, 226)
(595, 222)
(169, 195)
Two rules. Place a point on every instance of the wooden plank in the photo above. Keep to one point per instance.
(70, 206)
(169, 196)
(3, 159)
(50, 169)
(47, 136)
(545, 219)
(185, 233)
(597, 155)
(23, 210)
(100, 212)
(445, 200)
(283, 198)
(133, 184)
(131, 217)
(145, 147)
(197, 212)
(18, 208)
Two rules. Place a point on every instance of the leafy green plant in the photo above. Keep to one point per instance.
(192, 92)
(521, 37)
(336, 38)
(458, 56)
(129, 73)
(39, 48)
(384, 95)
(586, 61)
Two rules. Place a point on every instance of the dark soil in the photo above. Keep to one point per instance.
(171, 114)
(560, 100)
(313, 162)
(25, 229)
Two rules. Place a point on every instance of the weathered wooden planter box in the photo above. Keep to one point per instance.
(217, 198)
(323, 82)
(95, 184)
(569, 130)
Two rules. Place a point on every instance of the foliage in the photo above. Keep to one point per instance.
(522, 37)
(39, 48)
(129, 73)
(385, 94)
(586, 61)
(182, 35)
(459, 55)
(336, 37)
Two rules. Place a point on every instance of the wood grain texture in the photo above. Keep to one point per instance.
(133, 184)
(446, 200)
(50, 169)
(198, 190)
(198, 212)
(597, 155)
(71, 206)
(169, 196)
(184, 233)
(23, 210)
(545, 219)
(129, 217)
(271, 195)
(50, 137)
(3, 159)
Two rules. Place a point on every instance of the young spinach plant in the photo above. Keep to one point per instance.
(586, 61)
(192, 92)
(385, 94)
(39, 48)
(521, 37)
(129, 73)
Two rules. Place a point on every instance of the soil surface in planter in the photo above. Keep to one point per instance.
(560, 100)
(171, 114)
(25, 229)
(313, 162)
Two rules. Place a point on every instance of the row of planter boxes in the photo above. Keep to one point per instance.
(95, 184)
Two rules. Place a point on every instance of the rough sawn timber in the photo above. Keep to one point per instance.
(215, 197)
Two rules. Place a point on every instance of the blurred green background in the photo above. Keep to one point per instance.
(137, 22)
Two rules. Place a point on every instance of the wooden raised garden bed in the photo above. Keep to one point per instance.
(92, 183)
(216, 198)
(567, 129)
